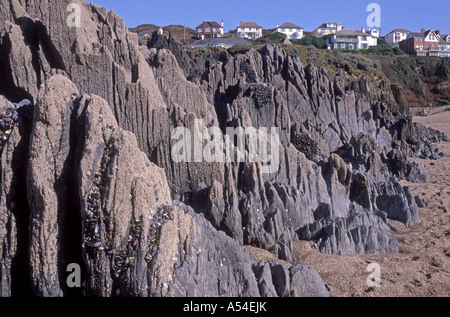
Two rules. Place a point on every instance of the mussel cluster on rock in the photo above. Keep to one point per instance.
(262, 94)
(154, 233)
(121, 262)
(126, 257)
(246, 68)
(8, 120)
(93, 213)
(306, 145)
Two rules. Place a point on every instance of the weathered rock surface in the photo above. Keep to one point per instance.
(96, 200)
(77, 187)
(344, 142)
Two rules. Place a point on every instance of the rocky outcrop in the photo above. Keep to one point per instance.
(190, 264)
(100, 57)
(344, 144)
(95, 199)
(77, 187)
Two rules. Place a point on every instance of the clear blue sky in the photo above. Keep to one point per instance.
(408, 14)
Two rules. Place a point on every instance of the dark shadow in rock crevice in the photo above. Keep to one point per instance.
(69, 205)
(20, 269)
(7, 86)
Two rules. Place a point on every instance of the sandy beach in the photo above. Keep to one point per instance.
(422, 266)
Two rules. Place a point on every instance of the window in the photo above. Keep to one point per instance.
(207, 30)
(365, 46)
(364, 38)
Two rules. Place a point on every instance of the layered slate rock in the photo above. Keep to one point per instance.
(100, 57)
(344, 149)
(95, 199)
(14, 211)
(190, 264)
(90, 193)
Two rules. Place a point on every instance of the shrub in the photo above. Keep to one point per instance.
(381, 49)
(271, 38)
(317, 42)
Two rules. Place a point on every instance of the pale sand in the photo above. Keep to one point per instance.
(422, 267)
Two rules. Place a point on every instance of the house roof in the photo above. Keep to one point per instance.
(415, 34)
(444, 39)
(249, 25)
(399, 30)
(428, 32)
(288, 25)
(146, 33)
(213, 24)
(221, 41)
(349, 32)
(324, 25)
(420, 35)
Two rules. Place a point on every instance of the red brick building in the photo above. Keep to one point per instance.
(210, 29)
(425, 43)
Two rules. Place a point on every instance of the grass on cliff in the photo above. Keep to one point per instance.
(270, 38)
(425, 80)
(332, 61)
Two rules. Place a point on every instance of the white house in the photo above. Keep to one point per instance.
(352, 40)
(374, 32)
(220, 42)
(292, 31)
(327, 28)
(396, 36)
(444, 45)
(249, 30)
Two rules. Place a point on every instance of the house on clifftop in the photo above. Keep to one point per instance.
(220, 42)
(249, 30)
(327, 28)
(210, 29)
(292, 31)
(352, 40)
(425, 43)
(396, 36)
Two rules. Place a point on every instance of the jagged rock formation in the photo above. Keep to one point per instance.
(95, 199)
(343, 147)
(77, 187)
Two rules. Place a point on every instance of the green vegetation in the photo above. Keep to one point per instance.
(317, 42)
(403, 73)
(382, 48)
(179, 32)
(241, 49)
(423, 79)
(270, 38)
